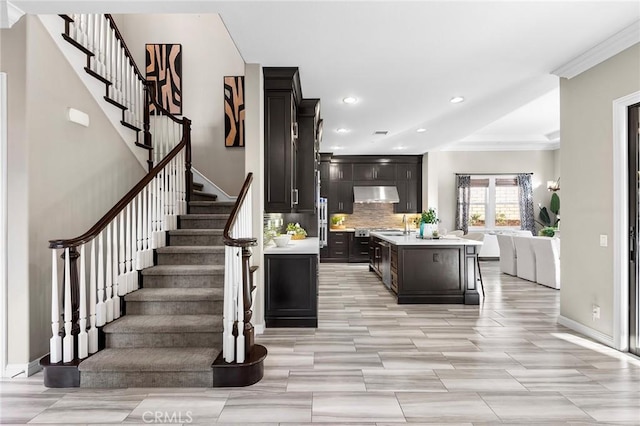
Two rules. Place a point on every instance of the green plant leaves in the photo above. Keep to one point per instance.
(554, 205)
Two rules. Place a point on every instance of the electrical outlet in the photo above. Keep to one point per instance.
(604, 241)
(596, 312)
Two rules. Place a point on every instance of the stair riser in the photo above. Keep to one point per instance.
(210, 209)
(164, 340)
(195, 240)
(151, 379)
(175, 308)
(190, 258)
(203, 197)
(186, 223)
(183, 281)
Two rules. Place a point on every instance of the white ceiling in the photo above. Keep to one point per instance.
(405, 60)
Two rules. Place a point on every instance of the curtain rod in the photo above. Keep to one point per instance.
(493, 174)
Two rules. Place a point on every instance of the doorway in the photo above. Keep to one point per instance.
(633, 146)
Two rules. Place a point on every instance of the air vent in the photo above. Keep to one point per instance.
(380, 132)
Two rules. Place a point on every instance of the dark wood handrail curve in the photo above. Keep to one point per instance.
(238, 242)
(131, 195)
(152, 87)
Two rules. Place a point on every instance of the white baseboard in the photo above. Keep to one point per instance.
(22, 370)
(258, 328)
(596, 335)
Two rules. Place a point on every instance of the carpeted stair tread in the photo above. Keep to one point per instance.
(202, 203)
(184, 270)
(205, 216)
(205, 194)
(197, 186)
(190, 249)
(196, 232)
(150, 359)
(137, 324)
(175, 295)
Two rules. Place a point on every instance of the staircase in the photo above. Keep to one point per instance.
(172, 331)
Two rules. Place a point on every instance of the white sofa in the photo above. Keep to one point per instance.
(525, 258)
(547, 256)
(507, 254)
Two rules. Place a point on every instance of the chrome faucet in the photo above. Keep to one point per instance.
(406, 225)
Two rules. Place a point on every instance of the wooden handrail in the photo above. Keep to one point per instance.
(124, 45)
(152, 88)
(131, 195)
(238, 242)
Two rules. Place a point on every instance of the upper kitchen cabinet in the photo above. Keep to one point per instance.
(309, 133)
(325, 174)
(375, 172)
(282, 95)
(341, 171)
(409, 184)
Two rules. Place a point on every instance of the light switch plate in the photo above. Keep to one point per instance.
(603, 241)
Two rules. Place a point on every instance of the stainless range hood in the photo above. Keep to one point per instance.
(375, 194)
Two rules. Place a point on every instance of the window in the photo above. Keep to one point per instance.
(494, 202)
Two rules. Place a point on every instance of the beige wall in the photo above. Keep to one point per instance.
(587, 185)
(62, 177)
(208, 54)
(448, 163)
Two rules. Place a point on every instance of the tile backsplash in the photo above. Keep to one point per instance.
(375, 215)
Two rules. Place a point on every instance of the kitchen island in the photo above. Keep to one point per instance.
(426, 270)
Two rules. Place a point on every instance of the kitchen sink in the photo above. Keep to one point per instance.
(392, 234)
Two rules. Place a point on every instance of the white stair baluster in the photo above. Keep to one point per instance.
(228, 341)
(93, 330)
(139, 261)
(83, 337)
(67, 341)
(115, 264)
(55, 343)
(127, 244)
(134, 244)
(101, 308)
(122, 258)
(143, 228)
(108, 277)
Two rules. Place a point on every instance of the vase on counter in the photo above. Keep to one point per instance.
(427, 229)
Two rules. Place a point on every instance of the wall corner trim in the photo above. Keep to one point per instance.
(600, 52)
(587, 331)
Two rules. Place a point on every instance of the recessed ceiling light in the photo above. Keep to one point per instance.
(399, 148)
(421, 130)
(456, 99)
(336, 148)
(342, 130)
(350, 100)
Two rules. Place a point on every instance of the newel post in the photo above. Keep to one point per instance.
(247, 296)
(186, 135)
(146, 87)
(75, 295)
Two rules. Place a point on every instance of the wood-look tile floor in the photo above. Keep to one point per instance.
(373, 362)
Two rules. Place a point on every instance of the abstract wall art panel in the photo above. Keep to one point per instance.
(234, 111)
(164, 69)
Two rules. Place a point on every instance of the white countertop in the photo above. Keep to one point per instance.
(310, 245)
(412, 240)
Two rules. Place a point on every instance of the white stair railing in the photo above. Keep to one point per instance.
(120, 245)
(238, 238)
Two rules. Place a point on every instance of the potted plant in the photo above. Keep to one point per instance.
(547, 231)
(429, 223)
(337, 222)
(296, 231)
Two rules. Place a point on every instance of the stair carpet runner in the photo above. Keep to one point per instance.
(172, 330)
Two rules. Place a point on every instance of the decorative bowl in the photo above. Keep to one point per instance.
(282, 240)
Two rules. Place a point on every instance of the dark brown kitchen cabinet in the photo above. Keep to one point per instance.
(324, 178)
(341, 197)
(339, 246)
(341, 172)
(358, 248)
(375, 172)
(291, 290)
(282, 95)
(409, 184)
(306, 160)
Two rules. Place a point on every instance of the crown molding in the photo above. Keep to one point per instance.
(9, 14)
(600, 52)
(502, 146)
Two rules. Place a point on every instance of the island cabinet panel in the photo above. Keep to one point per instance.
(431, 275)
(291, 290)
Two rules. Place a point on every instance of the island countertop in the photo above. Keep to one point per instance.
(310, 245)
(413, 240)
